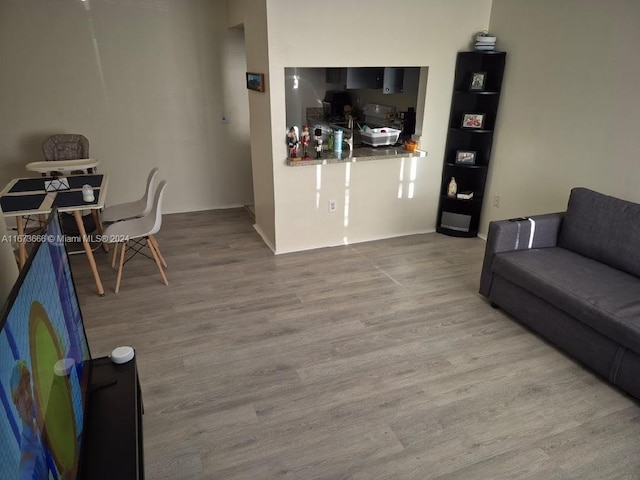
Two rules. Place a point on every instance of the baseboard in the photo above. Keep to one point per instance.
(341, 244)
(204, 209)
(264, 237)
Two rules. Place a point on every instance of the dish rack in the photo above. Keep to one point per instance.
(377, 137)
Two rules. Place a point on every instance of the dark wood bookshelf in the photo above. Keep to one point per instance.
(461, 217)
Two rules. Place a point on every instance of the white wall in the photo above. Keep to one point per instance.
(253, 15)
(145, 81)
(376, 33)
(570, 103)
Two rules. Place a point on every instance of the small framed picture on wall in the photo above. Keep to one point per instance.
(255, 81)
(465, 157)
(478, 81)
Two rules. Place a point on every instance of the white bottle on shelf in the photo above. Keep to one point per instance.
(452, 189)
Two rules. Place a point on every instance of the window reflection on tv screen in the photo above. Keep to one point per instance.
(43, 377)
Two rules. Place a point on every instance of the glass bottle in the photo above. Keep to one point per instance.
(452, 189)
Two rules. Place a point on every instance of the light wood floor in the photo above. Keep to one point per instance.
(372, 361)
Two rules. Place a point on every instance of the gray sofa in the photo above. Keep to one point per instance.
(574, 278)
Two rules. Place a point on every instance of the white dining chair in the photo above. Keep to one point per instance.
(135, 233)
(137, 208)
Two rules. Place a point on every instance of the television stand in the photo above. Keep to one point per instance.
(112, 445)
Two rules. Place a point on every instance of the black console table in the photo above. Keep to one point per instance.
(112, 445)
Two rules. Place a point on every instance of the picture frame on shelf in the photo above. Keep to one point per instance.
(465, 157)
(255, 81)
(478, 81)
(473, 120)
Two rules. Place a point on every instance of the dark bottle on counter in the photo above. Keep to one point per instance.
(409, 127)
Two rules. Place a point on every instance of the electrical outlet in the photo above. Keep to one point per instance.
(333, 206)
(225, 118)
(496, 201)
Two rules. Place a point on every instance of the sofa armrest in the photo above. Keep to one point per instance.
(539, 231)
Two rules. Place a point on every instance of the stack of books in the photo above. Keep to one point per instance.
(485, 42)
(464, 195)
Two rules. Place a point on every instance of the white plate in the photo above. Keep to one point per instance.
(483, 38)
(485, 48)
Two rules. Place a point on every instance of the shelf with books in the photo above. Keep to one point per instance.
(466, 200)
(458, 165)
(472, 130)
(467, 92)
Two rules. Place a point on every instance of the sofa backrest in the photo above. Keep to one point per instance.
(604, 228)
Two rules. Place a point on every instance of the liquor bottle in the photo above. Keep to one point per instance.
(452, 189)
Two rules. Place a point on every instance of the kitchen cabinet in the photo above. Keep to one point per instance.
(365, 77)
(336, 76)
(392, 80)
(387, 79)
(461, 217)
(411, 80)
(356, 77)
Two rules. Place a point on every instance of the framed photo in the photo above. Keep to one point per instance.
(465, 157)
(255, 81)
(478, 81)
(473, 120)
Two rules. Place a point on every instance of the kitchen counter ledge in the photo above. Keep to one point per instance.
(360, 154)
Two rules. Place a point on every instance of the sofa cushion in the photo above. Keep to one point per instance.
(604, 228)
(600, 296)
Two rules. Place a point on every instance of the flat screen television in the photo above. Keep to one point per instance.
(44, 368)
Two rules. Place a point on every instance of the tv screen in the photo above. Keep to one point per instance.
(43, 370)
